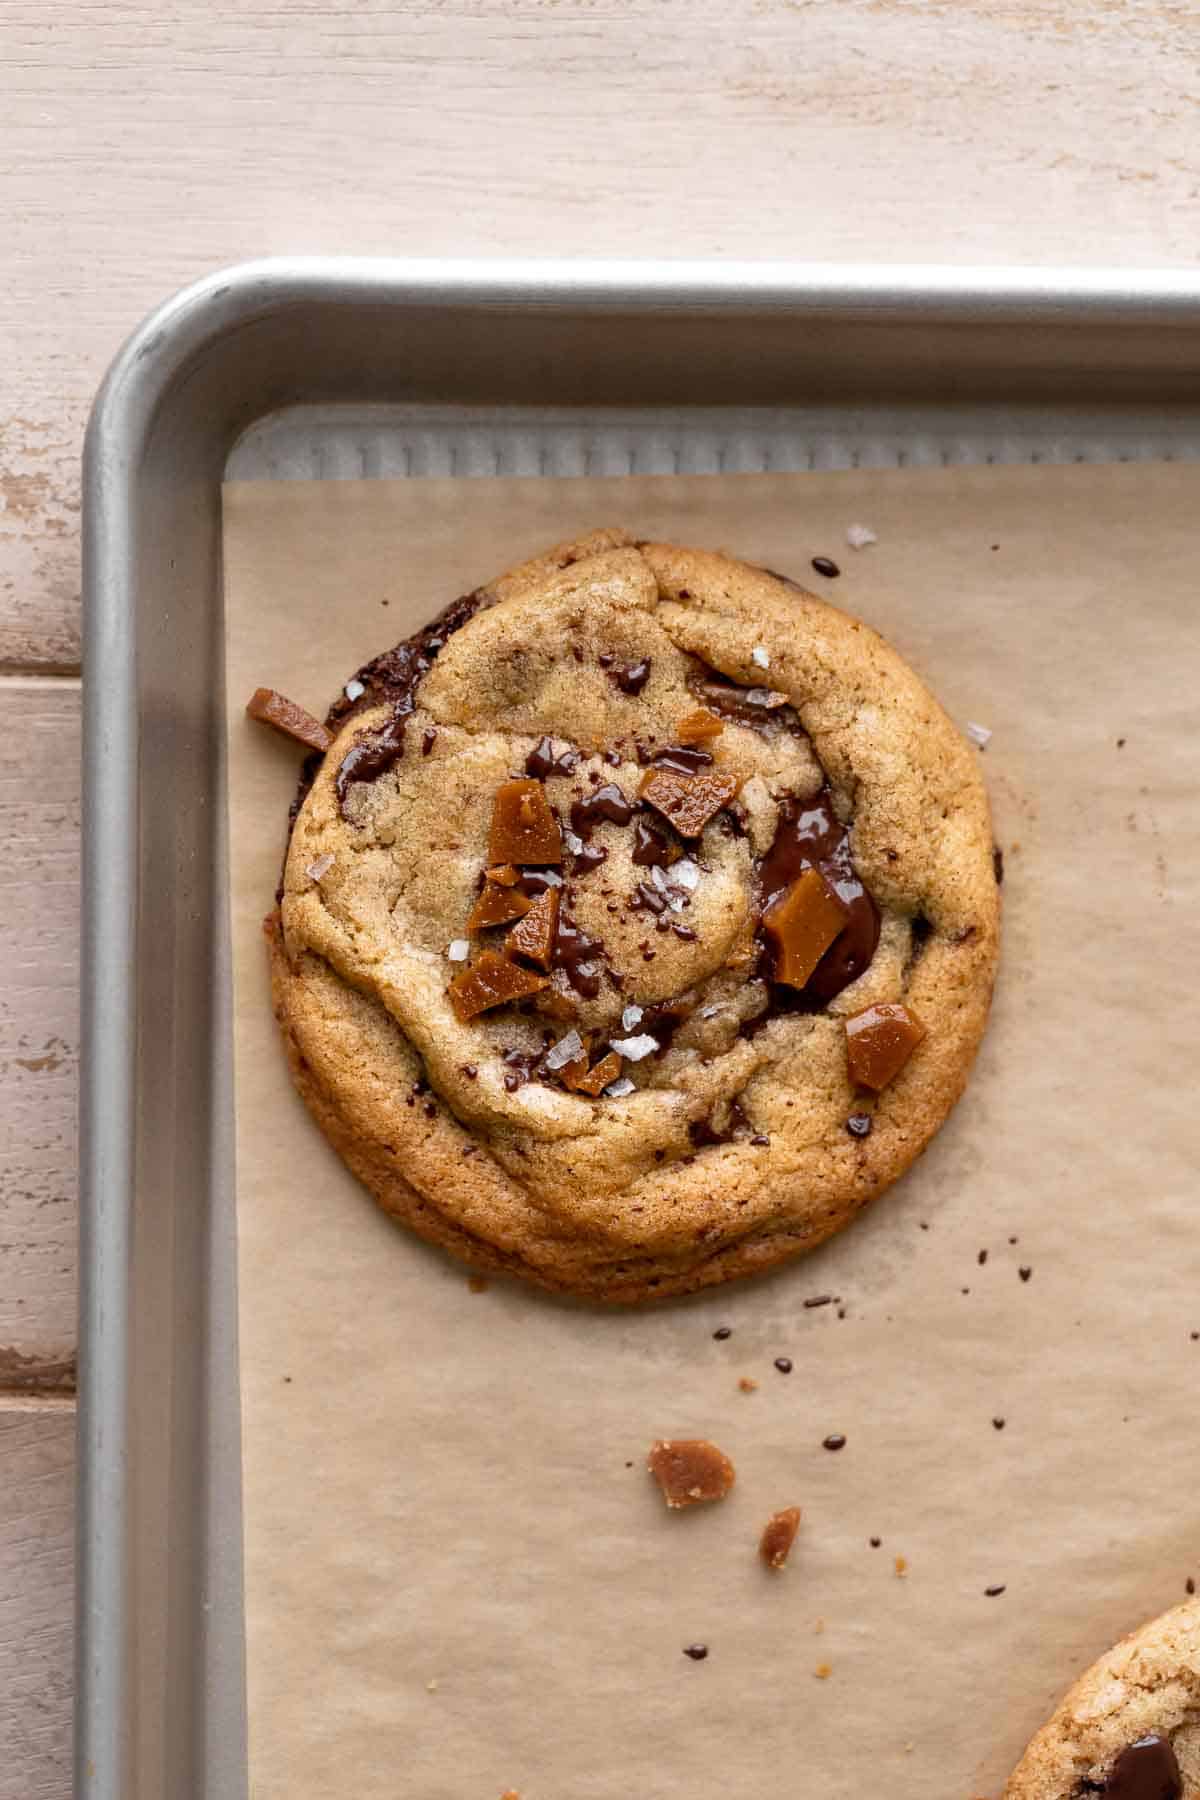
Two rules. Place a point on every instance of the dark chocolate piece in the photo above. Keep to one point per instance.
(1145, 1770)
(811, 836)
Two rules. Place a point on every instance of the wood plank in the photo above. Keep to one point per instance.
(39, 1030)
(144, 143)
(36, 1560)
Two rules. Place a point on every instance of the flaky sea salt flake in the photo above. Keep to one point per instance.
(859, 536)
(630, 1017)
(617, 1090)
(354, 690)
(320, 867)
(685, 874)
(459, 950)
(634, 1048)
(568, 1049)
(980, 735)
(760, 656)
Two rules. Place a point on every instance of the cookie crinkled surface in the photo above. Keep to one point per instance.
(1130, 1727)
(661, 1101)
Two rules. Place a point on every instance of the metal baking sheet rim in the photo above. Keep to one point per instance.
(159, 1708)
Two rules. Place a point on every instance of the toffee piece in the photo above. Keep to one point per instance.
(689, 1471)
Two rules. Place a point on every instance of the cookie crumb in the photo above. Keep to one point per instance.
(431, 1687)
(746, 1385)
(689, 1471)
(900, 1564)
(779, 1534)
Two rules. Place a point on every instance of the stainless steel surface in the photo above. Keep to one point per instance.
(347, 368)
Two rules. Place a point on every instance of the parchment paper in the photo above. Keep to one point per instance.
(459, 1577)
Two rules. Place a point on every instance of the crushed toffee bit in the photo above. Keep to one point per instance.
(631, 678)
(835, 1441)
(1024, 1272)
(697, 1652)
(802, 923)
(601, 1075)
(722, 1332)
(698, 727)
(497, 905)
(825, 565)
(687, 801)
(900, 1565)
(859, 1125)
(823, 1671)
(491, 980)
(779, 1534)
(746, 1385)
(291, 721)
(690, 1471)
(879, 1041)
(784, 1364)
(524, 829)
(503, 874)
(550, 757)
(534, 935)
(810, 835)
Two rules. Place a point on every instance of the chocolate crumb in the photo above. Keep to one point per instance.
(876, 1543)
(631, 678)
(825, 565)
(478, 1284)
(697, 1652)
(1189, 1586)
(1025, 1272)
(999, 1424)
(760, 1137)
(993, 1593)
(998, 864)
(835, 1441)
(722, 1332)
(784, 1364)
(470, 1071)
(819, 1300)
(778, 1536)
(966, 1290)
(1120, 743)
(1196, 1337)
(924, 1225)
(1012, 1240)
(981, 1258)
(859, 1125)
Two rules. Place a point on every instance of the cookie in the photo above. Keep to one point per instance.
(639, 925)
(1130, 1727)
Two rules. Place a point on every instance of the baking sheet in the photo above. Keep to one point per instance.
(459, 1578)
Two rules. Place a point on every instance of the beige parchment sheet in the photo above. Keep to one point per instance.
(459, 1578)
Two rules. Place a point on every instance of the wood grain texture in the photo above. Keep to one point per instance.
(39, 925)
(36, 1559)
(142, 144)
(145, 143)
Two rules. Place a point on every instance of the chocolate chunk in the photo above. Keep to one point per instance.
(544, 759)
(879, 1041)
(698, 727)
(497, 905)
(704, 1131)
(835, 1441)
(689, 1471)
(608, 802)
(697, 1652)
(1145, 1770)
(684, 759)
(597, 1078)
(524, 828)
(290, 720)
(650, 898)
(687, 801)
(653, 847)
(534, 935)
(810, 835)
(631, 678)
(580, 957)
(589, 858)
(722, 1332)
(801, 925)
(491, 980)
(784, 1364)
(750, 706)
(825, 565)
(779, 1534)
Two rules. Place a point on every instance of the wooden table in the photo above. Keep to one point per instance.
(142, 144)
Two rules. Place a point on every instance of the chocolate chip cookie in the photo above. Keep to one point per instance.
(639, 924)
(1130, 1728)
